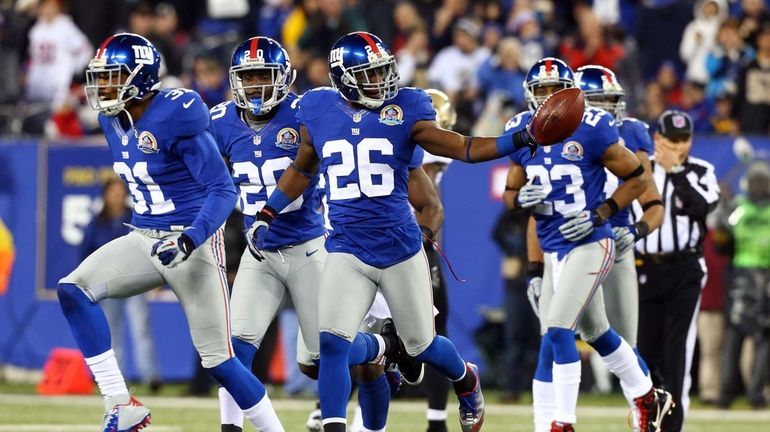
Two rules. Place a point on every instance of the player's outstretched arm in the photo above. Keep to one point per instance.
(626, 166)
(423, 196)
(451, 144)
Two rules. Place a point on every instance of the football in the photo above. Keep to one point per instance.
(558, 116)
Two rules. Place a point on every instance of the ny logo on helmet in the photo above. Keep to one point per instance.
(143, 54)
(335, 57)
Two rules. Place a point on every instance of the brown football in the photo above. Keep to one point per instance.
(558, 117)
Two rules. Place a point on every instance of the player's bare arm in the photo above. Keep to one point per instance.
(433, 170)
(626, 166)
(516, 179)
(650, 200)
(534, 252)
(295, 180)
(425, 200)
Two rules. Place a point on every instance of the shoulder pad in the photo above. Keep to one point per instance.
(186, 113)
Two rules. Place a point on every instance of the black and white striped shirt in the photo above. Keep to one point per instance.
(688, 197)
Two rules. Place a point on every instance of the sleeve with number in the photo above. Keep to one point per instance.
(603, 135)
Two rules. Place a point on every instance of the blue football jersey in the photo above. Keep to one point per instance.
(365, 160)
(633, 135)
(257, 160)
(171, 164)
(572, 174)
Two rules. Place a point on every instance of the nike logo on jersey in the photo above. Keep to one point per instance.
(188, 103)
(311, 253)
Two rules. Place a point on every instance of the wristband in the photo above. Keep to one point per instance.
(506, 144)
(468, 142)
(642, 229)
(651, 204)
(535, 269)
(277, 201)
(613, 205)
(427, 232)
(267, 214)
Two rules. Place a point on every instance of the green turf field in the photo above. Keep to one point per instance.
(21, 411)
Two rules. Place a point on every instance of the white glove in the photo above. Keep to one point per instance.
(624, 240)
(578, 225)
(531, 195)
(173, 250)
(255, 237)
(533, 293)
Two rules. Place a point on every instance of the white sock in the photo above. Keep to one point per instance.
(357, 424)
(436, 415)
(625, 365)
(107, 374)
(543, 405)
(566, 385)
(229, 411)
(263, 417)
(381, 345)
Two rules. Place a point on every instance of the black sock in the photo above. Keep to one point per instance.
(231, 428)
(437, 426)
(466, 384)
(334, 427)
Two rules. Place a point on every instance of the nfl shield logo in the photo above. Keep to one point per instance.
(678, 121)
(124, 140)
(257, 140)
(357, 117)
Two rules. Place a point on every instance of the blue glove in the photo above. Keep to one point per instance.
(255, 235)
(578, 226)
(530, 195)
(173, 250)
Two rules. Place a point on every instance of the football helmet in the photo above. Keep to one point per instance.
(446, 116)
(363, 70)
(548, 71)
(126, 66)
(601, 89)
(254, 55)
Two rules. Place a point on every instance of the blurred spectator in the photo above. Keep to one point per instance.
(591, 45)
(332, 21)
(753, 16)
(711, 320)
(316, 75)
(752, 103)
(695, 104)
(272, 16)
(140, 19)
(454, 67)
(722, 121)
(13, 28)
(407, 21)
(533, 44)
(58, 51)
(491, 34)
(502, 73)
(376, 15)
(444, 20)
(748, 302)
(413, 59)
(654, 103)
(98, 19)
(659, 32)
(167, 38)
(700, 36)
(210, 80)
(668, 78)
(724, 60)
(111, 223)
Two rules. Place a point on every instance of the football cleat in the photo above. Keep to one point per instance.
(393, 375)
(472, 404)
(653, 407)
(314, 422)
(411, 370)
(125, 415)
(561, 427)
(231, 428)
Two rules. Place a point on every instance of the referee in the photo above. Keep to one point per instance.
(670, 261)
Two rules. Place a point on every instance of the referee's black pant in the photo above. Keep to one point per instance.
(669, 294)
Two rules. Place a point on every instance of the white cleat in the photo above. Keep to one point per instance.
(125, 414)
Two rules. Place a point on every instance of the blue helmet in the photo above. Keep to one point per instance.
(126, 62)
(601, 89)
(363, 70)
(254, 55)
(546, 72)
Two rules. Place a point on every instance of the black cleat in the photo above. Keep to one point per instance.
(411, 370)
(231, 428)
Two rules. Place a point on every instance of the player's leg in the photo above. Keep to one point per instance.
(201, 286)
(436, 385)
(407, 289)
(120, 268)
(543, 398)
(257, 294)
(346, 292)
(577, 278)
(373, 396)
(138, 314)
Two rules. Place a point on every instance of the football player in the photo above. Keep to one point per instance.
(563, 185)
(620, 288)
(257, 132)
(361, 135)
(182, 194)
